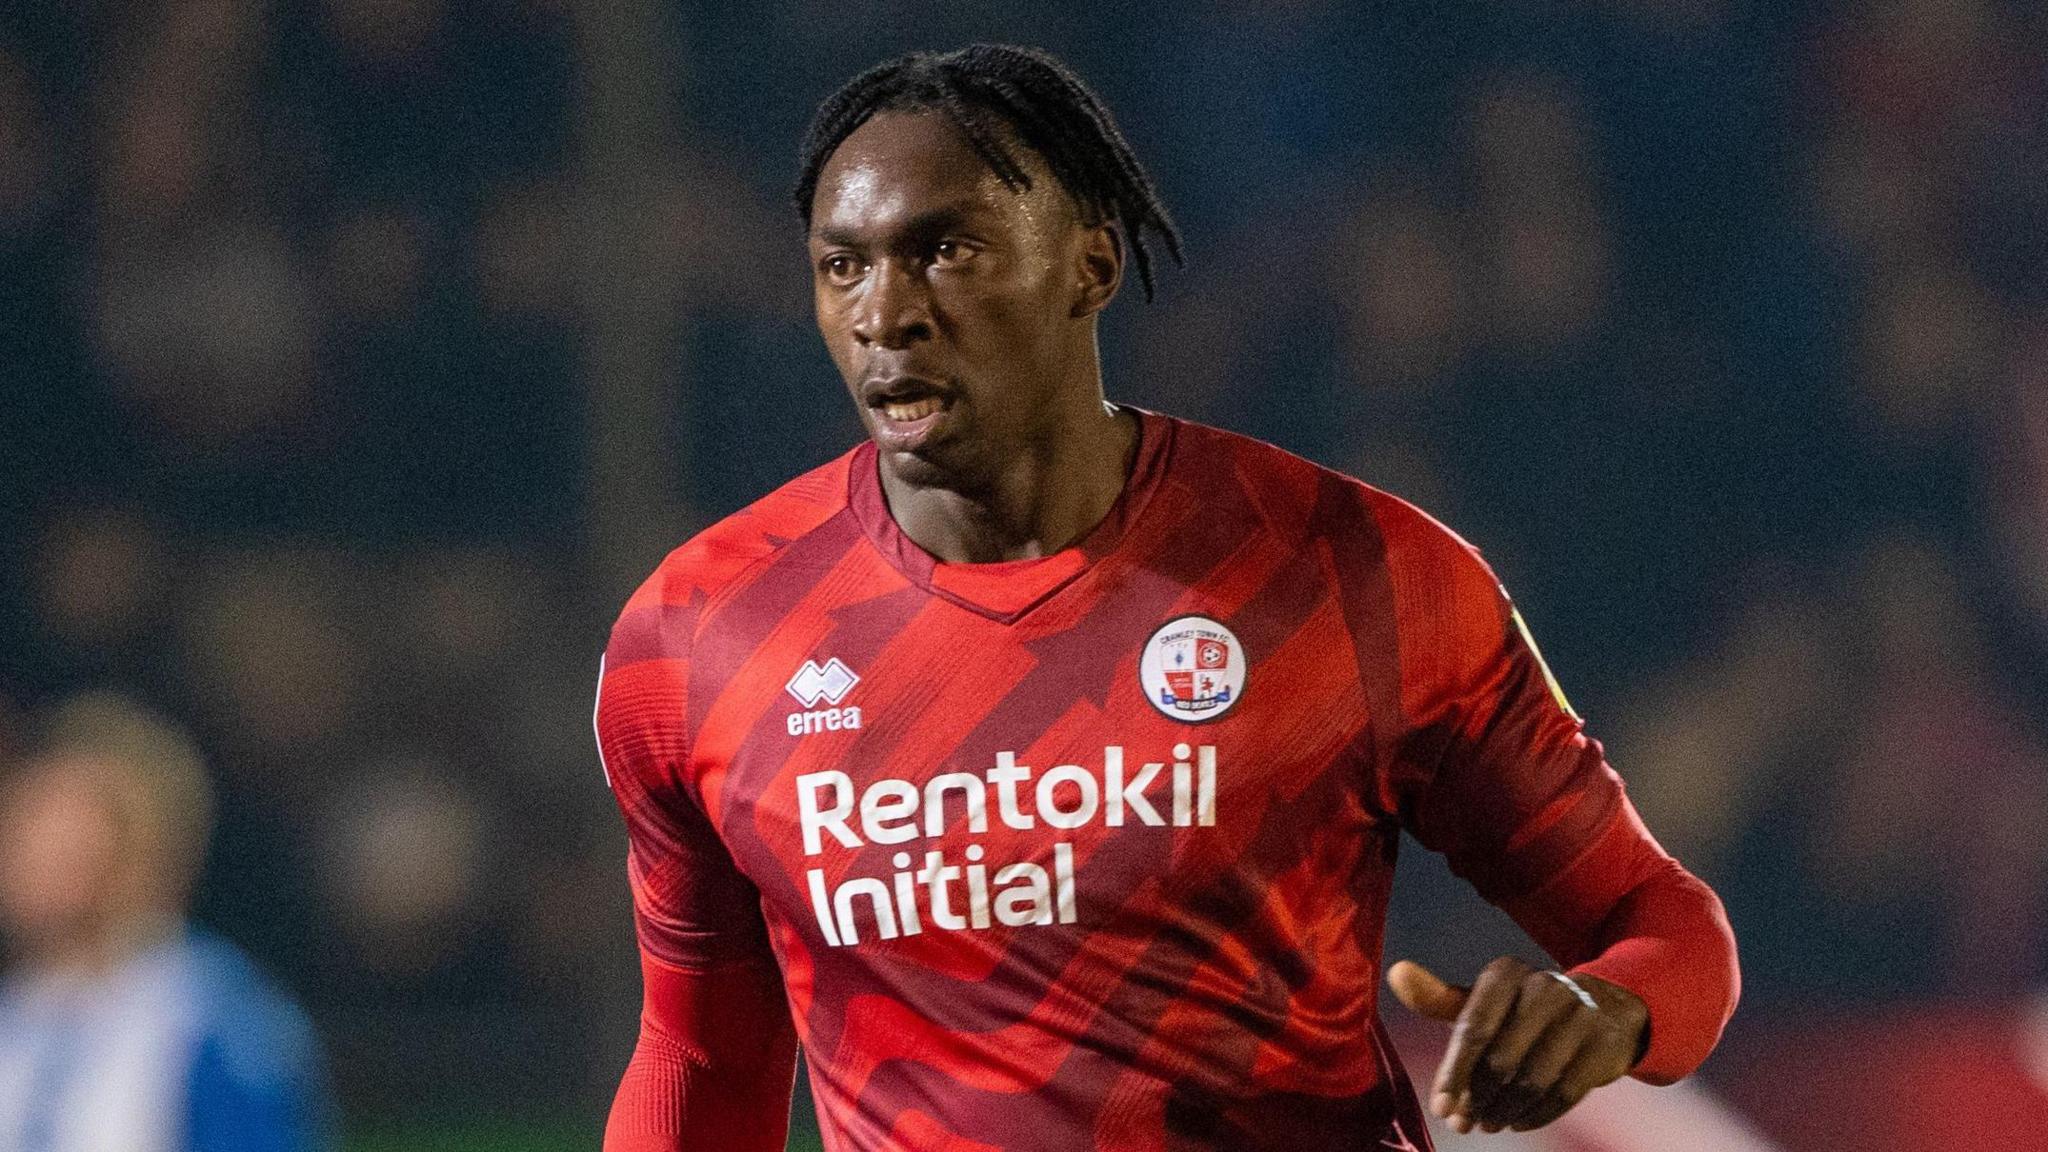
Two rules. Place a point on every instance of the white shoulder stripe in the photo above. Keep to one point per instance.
(595, 706)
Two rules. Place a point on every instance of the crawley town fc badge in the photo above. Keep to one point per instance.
(1192, 669)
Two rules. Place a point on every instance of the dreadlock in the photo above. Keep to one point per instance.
(990, 91)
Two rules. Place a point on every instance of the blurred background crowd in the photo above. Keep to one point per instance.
(358, 356)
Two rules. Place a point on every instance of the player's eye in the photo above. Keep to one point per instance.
(840, 268)
(948, 252)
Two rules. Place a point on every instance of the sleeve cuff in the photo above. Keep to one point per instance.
(1686, 976)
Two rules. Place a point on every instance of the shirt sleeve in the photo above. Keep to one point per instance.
(716, 1055)
(714, 1065)
(692, 907)
(1494, 770)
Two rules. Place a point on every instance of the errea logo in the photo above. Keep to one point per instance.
(829, 682)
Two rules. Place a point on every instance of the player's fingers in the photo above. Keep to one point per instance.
(1539, 1083)
(1501, 1086)
(1585, 1072)
(1424, 993)
(1493, 997)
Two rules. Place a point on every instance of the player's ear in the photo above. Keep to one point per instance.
(1098, 269)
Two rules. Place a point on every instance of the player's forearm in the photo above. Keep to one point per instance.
(1668, 941)
(713, 1067)
(1629, 914)
(670, 1101)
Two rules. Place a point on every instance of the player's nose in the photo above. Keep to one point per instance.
(895, 310)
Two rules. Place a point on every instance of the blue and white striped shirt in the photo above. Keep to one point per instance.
(185, 1048)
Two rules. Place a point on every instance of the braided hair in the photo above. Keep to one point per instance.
(990, 91)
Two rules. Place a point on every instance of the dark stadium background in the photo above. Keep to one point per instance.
(357, 357)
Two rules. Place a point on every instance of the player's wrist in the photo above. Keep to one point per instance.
(1626, 1010)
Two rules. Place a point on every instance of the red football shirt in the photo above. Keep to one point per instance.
(1094, 850)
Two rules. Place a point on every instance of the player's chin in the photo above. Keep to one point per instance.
(940, 454)
(927, 466)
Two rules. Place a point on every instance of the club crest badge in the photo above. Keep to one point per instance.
(1192, 669)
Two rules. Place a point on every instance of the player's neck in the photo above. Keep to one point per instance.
(100, 944)
(1045, 497)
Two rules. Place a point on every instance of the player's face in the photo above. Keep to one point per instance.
(955, 308)
(59, 859)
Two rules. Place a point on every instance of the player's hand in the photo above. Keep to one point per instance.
(1526, 1044)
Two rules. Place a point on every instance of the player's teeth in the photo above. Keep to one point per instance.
(916, 410)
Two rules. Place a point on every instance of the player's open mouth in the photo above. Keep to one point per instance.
(911, 411)
(905, 425)
(907, 414)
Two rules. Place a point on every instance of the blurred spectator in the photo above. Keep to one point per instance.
(1706, 747)
(100, 579)
(405, 858)
(1928, 345)
(120, 1026)
(213, 335)
(1545, 243)
(266, 644)
(1410, 283)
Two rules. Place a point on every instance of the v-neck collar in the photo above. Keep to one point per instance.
(1005, 590)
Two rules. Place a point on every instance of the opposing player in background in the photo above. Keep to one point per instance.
(1040, 764)
(120, 1027)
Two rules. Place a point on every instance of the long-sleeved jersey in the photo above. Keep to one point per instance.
(1093, 851)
